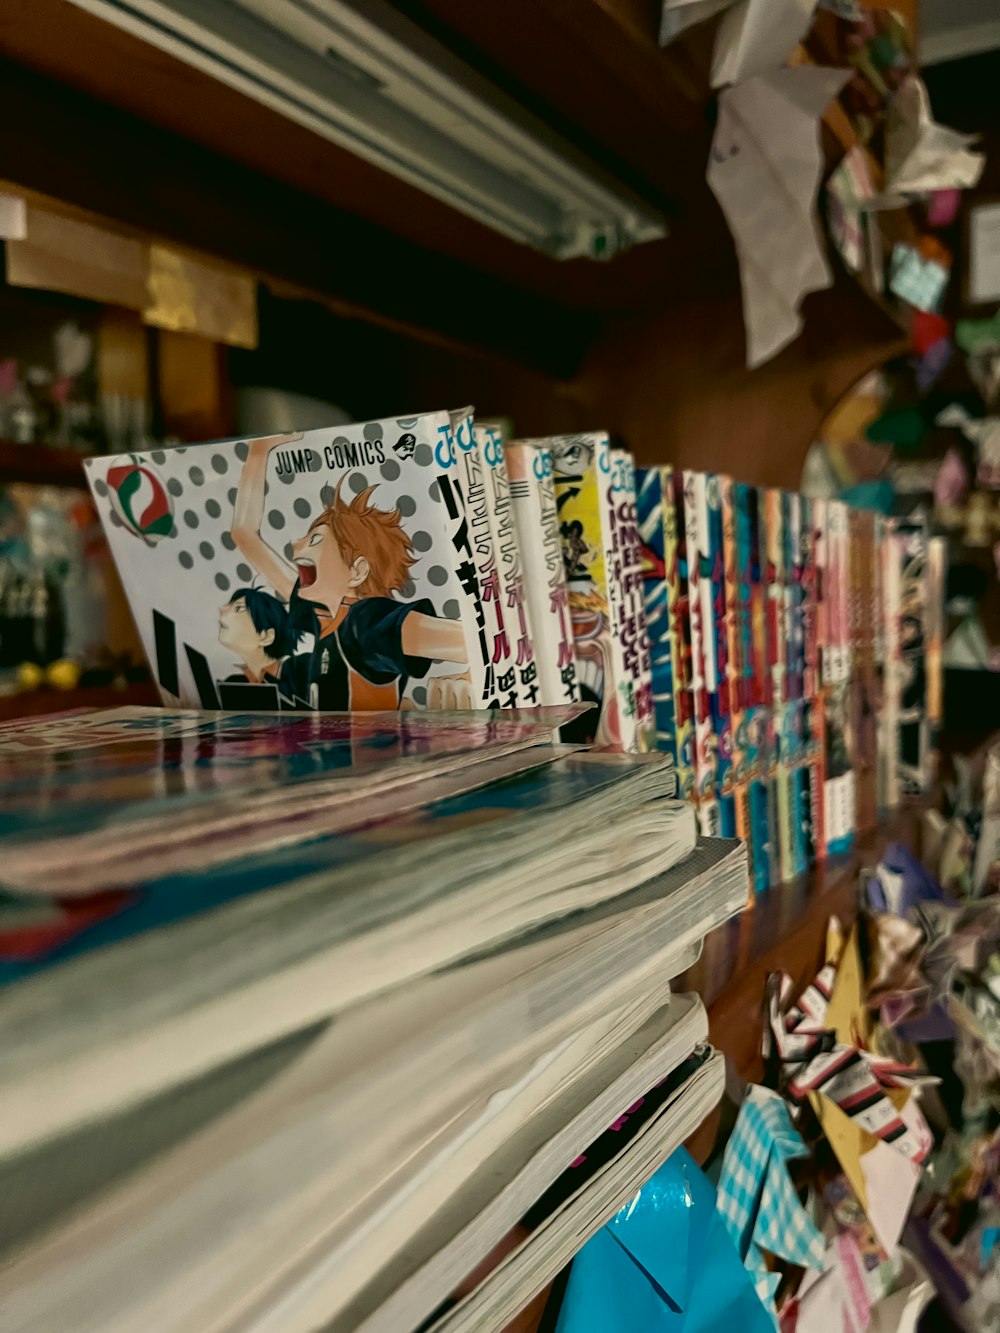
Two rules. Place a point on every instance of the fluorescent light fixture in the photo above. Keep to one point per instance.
(363, 76)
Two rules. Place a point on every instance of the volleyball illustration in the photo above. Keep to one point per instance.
(141, 501)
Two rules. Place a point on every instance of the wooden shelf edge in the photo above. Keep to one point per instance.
(41, 464)
(42, 703)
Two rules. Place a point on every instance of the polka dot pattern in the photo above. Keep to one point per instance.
(205, 501)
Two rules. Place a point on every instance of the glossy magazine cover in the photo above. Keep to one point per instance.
(328, 569)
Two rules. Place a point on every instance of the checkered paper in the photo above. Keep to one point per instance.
(918, 281)
(757, 1199)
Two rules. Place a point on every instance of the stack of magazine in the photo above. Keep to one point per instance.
(352, 1021)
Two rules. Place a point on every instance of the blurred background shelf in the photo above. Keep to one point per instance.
(41, 464)
(36, 703)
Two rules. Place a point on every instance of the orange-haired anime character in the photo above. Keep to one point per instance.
(343, 587)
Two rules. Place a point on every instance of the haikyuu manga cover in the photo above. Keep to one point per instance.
(328, 569)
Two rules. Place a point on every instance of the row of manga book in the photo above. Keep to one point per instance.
(796, 660)
(419, 562)
(783, 651)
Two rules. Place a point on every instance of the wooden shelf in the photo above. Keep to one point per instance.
(38, 703)
(42, 464)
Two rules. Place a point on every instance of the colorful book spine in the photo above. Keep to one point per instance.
(913, 753)
(891, 563)
(839, 778)
(632, 632)
(582, 473)
(675, 565)
(696, 519)
(880, 529)
(751, 732)
(937, 577)
(652, 503)
(864, 716)
(812, 693)
(517, 683)
(736, 615)
(794, 719)
(536, 523)
(778, 620)
(717, 668)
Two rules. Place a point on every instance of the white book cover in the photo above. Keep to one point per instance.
(633, 632)
(536, 523)
(519, 686)
(329, 569)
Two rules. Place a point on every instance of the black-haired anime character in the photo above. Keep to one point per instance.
(256, 627)
(343, 588)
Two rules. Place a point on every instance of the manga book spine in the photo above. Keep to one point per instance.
(811, 811)
(696, 519)
(675, 563)
(764, 671)
(778, 656)
(811, 684)
(913, 753)
(582, 472)
(491, 632)
(937, 576)
(518, 684)
(878, 651)
(734, 681)
(866, 714)
(652, 501)
(536, 524)
(799, 813)
(751, 732)
(839, 774)
(717, 661)
(633, 634)
(889, 562)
